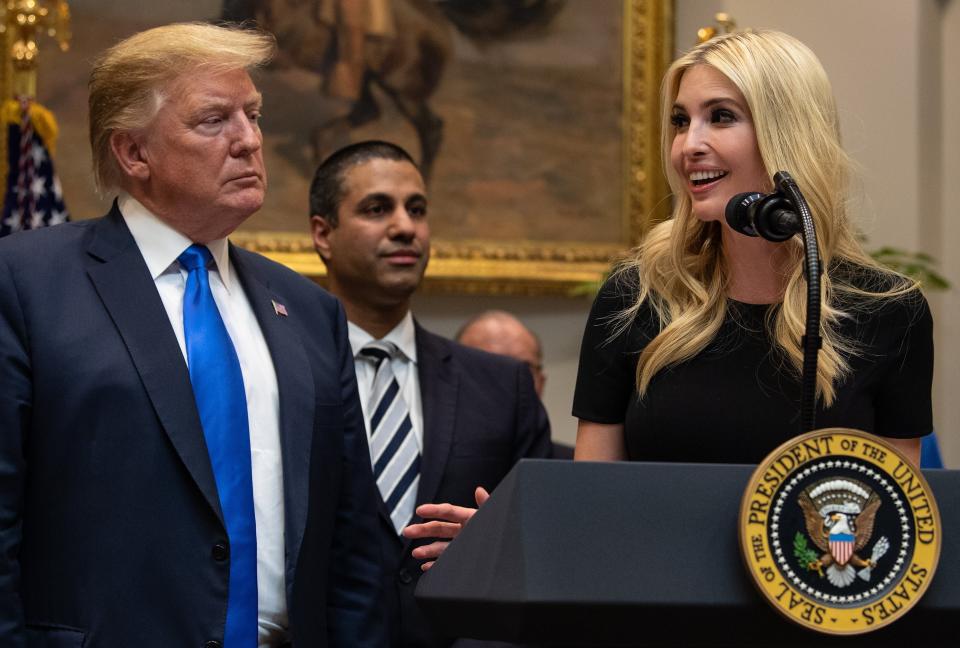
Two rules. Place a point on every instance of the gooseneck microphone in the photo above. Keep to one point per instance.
(770, 216)
(777, 217)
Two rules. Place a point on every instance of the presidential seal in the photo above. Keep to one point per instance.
(839, 531)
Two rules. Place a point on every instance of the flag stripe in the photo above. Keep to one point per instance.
(32, 196)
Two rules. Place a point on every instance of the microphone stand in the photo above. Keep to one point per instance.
(811, 341)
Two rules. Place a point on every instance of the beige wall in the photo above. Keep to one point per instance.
(947, 248)
(897, 84)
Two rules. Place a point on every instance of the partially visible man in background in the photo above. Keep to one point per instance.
(182, 453)
(497, 331)
(442, 419)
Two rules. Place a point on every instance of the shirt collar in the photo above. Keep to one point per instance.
(403, 335)
(161, 244)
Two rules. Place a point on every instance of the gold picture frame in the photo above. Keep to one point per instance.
(523, 267)
(604, 130)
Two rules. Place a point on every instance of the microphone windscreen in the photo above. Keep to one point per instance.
(737, 212)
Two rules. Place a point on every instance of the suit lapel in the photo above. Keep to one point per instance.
(130, 296)
(296, 388)
(439, 386)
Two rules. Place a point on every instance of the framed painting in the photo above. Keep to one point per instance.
(536, 122)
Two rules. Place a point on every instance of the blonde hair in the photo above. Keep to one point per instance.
(680, 265)
(129, 80)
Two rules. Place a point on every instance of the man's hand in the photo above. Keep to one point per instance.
(445, 521)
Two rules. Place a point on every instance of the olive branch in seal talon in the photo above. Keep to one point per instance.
(807, 556)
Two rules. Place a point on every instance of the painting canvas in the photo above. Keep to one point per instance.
(533, 120)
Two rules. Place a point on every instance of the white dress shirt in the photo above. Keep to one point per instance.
(404, 370)
(160, 246)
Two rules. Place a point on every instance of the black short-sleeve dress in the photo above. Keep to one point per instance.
(737, 399)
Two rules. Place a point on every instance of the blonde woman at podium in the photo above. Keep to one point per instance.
(692, 351)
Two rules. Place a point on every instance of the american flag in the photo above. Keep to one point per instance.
(33, 196)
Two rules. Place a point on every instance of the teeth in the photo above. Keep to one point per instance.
(700, 176)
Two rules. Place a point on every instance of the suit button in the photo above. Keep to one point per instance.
(220, 553)
(213, 644)
(405, 576)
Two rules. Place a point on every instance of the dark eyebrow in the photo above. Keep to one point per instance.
(376, 197)
(379, 195)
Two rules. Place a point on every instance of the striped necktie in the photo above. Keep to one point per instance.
(393, 444)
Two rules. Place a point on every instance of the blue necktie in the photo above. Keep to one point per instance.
(393, 445)
(222, 404)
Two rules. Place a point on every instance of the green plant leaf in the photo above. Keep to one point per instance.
(917, 265)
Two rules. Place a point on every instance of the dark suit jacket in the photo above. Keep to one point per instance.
(480, 416)
(108, 506)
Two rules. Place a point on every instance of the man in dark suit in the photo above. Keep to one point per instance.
(498, 331)
(182, 453)
(442, 419)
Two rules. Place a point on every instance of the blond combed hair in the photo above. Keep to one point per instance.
(128, 82)
(680, 264)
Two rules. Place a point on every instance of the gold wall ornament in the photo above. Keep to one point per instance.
(21, 22)
(543, 267)
(724, 22)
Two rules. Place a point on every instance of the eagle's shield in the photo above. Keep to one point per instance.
(841, 547)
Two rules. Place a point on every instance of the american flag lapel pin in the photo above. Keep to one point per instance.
(279, 308)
